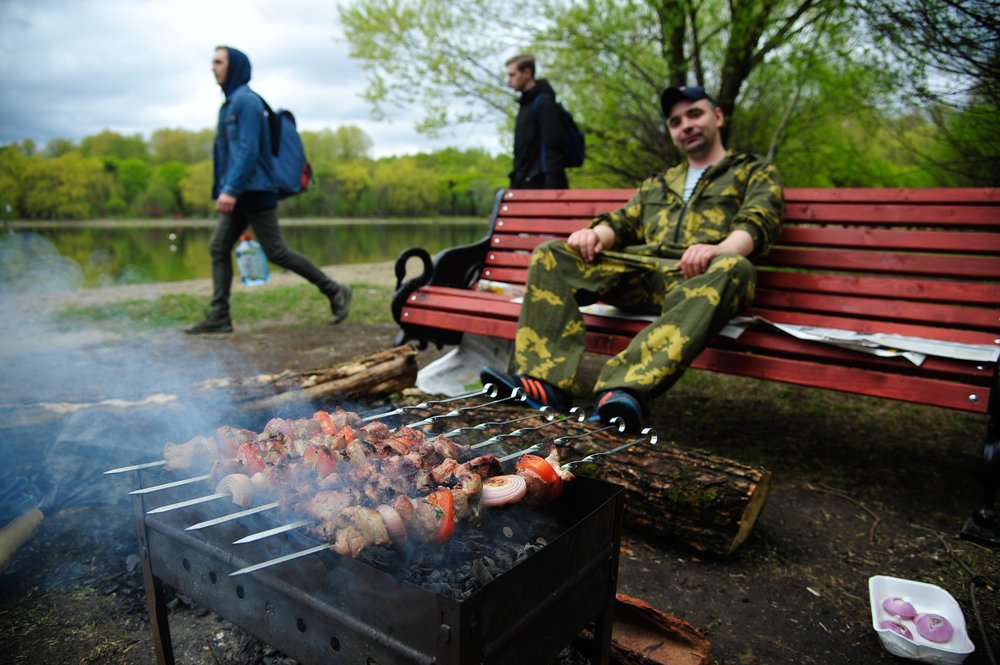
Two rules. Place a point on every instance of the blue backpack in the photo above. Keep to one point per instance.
(291, 168)
(574, 146)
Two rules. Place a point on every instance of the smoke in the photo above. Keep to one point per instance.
(76, 400)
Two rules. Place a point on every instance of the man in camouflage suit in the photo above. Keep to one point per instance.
(680, 249)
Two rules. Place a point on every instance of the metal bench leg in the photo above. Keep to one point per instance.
(984, 524)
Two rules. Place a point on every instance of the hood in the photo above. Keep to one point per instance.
(542, 87)
(239, 71)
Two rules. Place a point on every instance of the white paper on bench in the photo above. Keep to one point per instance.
(457, 371)
(914, 349)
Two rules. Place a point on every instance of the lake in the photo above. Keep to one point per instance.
(128, 253)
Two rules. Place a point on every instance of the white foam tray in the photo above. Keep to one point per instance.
(925, 598)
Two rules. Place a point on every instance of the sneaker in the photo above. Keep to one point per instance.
(539, 393)
(211, 324)
(621, 404)
(16, 534)
(340, 303)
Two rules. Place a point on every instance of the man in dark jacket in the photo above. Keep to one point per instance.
(246, 195)
(539, 162)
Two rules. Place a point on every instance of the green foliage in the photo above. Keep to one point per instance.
(181, 145)
(113, 144)
(66, 187)
(196, 189)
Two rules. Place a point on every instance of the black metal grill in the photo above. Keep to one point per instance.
(326, 608)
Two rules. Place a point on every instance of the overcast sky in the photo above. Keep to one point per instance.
(70, 68)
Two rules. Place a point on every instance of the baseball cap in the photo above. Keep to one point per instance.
(691, 93)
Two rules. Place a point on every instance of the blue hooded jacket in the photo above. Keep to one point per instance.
(242, 149)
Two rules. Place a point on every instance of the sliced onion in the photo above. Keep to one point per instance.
(259, 481)
(502, 490)
(279, 426)
(897, 628)
(934, 627)
(393, 525)
(239, 486)
(899, 607)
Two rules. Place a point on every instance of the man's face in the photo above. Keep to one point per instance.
(694, 126)
(517, 78)
(220, 65)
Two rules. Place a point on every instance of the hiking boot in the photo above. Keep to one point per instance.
(213, 323)
(16, 534)
(619, 404)
(539, 393)
(340, 303)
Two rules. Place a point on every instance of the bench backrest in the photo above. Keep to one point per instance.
(919, 262)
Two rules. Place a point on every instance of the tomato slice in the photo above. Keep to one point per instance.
(444, 501)
(347, 432)
(550, 477)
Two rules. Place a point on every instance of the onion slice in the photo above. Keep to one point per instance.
(502, 490)
(934, 627)
(899, 607)
(394, 526)
(239, 486)
(897, 628)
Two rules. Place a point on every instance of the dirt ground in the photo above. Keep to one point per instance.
(861, 487)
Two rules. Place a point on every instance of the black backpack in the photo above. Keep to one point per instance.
(291, 168)
(574, 145)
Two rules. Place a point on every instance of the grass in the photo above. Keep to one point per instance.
(299, 305)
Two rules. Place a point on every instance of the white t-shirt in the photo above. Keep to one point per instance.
(693, 176)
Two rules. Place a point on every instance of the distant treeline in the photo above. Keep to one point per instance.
(109, 175)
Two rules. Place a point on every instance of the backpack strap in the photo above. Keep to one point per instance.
(273, 125)
(534, 109)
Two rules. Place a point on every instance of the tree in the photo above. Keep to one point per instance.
(181, 145)
(346, 143)
(950, 50)
(112, 144)
(612, 58)
(196, 189)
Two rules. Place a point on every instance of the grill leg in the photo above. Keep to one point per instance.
(155, 602)
(158, 617)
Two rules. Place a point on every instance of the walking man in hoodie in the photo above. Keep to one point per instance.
(539, 162)
(246, 195)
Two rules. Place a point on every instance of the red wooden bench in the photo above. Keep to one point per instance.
(916, 262)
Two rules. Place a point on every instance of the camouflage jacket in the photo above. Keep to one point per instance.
(742, 191)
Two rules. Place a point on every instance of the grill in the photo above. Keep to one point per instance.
(325, 608)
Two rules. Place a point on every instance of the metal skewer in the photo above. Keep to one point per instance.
(518, 395)
(166, 486)
(233, 516)
(576, 413)
(189, 502)
(545, 410)
(648, 434)
(616, 423)
(273, 532)
(136, 467)
(488, 389)
(280, 559)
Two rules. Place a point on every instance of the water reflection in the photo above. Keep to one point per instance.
(128, 255)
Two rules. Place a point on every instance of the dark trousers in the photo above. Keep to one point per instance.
(264, 223)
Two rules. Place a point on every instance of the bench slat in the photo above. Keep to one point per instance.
(944, 195)
(885, 262)
(951, 291)
(971, 242)
(884, 214)
(834, 377)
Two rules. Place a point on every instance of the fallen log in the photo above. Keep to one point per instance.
(704, 501)
(377, 373)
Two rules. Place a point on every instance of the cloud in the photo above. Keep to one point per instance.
(70, 69)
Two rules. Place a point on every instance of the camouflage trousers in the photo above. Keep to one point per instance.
(551, 333)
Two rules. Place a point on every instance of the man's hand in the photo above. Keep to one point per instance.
(225, 204)
(591, 242)
(696, 258)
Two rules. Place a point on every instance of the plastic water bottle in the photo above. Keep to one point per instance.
(252, 262)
